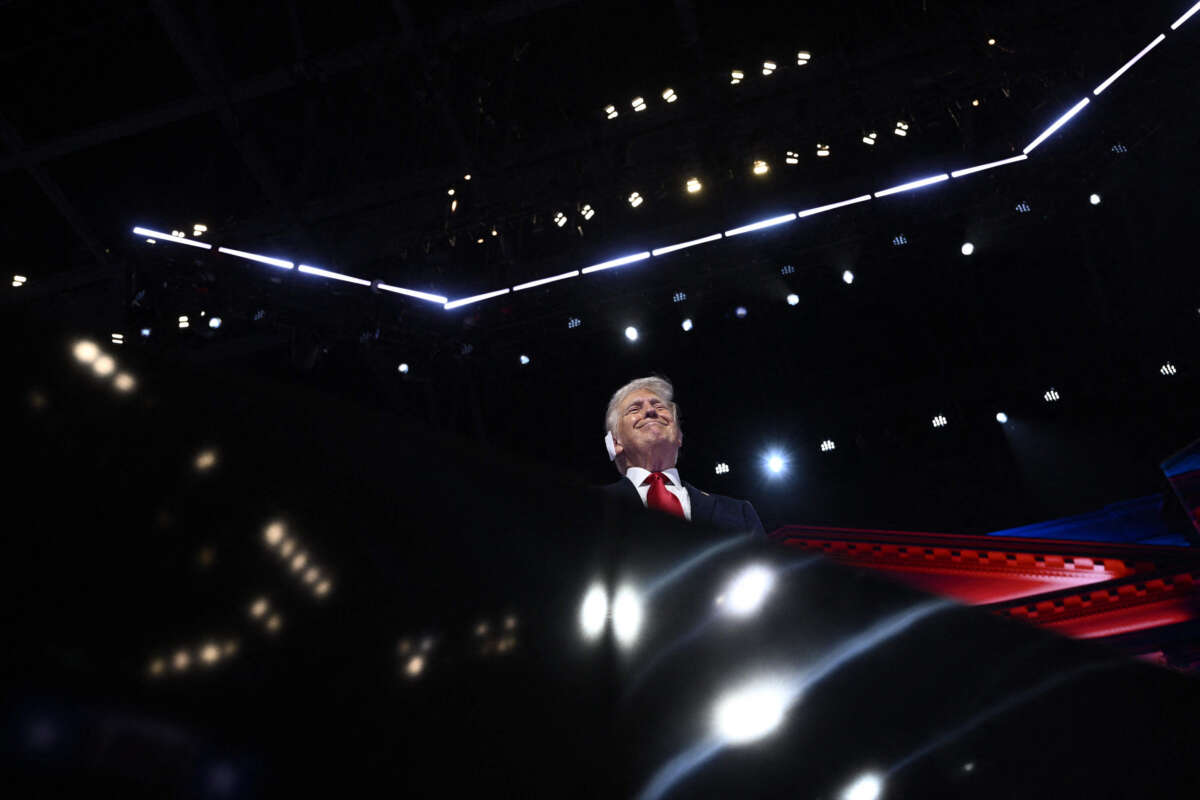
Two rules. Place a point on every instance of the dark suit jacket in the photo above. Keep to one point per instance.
(714, 510)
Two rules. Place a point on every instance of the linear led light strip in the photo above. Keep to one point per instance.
(660, 251)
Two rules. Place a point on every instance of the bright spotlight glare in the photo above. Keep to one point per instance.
(214, 322)
(686, 324)
(403, 369)
(627, 616)
(775, 463)
(1001, 417)
(848, 277)
(967, 248)
(86, 352)
(631, 333)
(524, 360)
(593, 612)
(793, 299)
(1094, 199)
(750, 712)
(104, 366)
(867, 787)
(745, 593)
(124, 382)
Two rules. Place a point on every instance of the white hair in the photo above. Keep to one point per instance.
(653, 383)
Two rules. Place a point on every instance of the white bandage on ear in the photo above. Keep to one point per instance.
(612, 447)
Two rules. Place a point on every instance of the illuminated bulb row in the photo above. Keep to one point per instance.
(414, 659)
(502, 641)
(560, 219)
(103, 365)
(769, 67)
(869, 139)
(18, 281)
(183, 659)
(939, 421)
(722, 468)
(183, 321)
(828, 445)
(1167, 369)
(198, 229)
(276, 537)
(1051, 395)
(260, 610)
(901, 128)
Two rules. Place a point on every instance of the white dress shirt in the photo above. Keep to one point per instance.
(672, 483)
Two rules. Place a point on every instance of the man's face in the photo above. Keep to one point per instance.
(646, 426)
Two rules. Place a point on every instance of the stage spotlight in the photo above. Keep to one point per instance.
(118, 338)
(761, 167)
(1168, 369)
(18, 281)
(740, 311)
(524, 359)
(775, 463)
(631, 333)
(86, 351)
(454, 205)
(104, 366)
(679, 297)
(124, 382)
(686, 324)
(669, 95)
(214, 322)
(627, 615)
(694, 185)
(1023, 207)
(274, 533)
(183, 321)
(787, 269)
(848, 277)
(792, 158)
(635, 199)
(1051, 395)
(1120, 148)
(587, 212)
(822, 150)
(967, 248)
(1001, 417)
(639, 104)
(746, 592)
(991, 42)
(793, 299)
(574, 322)
(736, 76)
(901, 129)
(1094, 199)
(868, 787)
(610, 111)
(769, 68)
(939, 421)
(560, 218)
(869, 139)
(722, 468)
(750, 712)
(593, 612)
(827, 446)
(899, 240)
(403, 368)
(145, 333)
(975, 103)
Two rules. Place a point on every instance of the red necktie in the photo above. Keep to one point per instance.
(659, 498)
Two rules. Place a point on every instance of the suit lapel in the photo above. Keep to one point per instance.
(703, 505)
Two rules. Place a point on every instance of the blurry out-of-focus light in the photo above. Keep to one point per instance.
(205, 460)
(299, 561)
(181, 660)
(686, 324)
(524, 359)
(745, 593)
(574, 322)
(750, 712)
(145, 333)
(467, 177)
(792, 158)
(454, 205)
(975, 102)
(967, 248)
(414, 666)
(610, 111)
(761, 167)
(259, 608)
(274, 623)
(287, 547)
(214, 322)
(639, 104)
(848, 277)
(1001, 417)
(124, 382)
(631, 333)
(769, 67)
(104, 366)
(594, 611)
(210, 653)
(870, 138)
(311, 575)
(802, 58)
(1184, 18)
(586, 211)
(736, 76)
(1109, 80)
(85, 351)
(635, 199)
(793, 299)
(323, 588)
(1058, 123)
(679, 297)
(403, 368)
(866, 787)
(822, 150)
(775, 463)
(18, 281)
(939, 421)
(560, 219)
(627, 615)
(694, 185)
(273, 533)
(740, 312)
(170, 238)
(157, 667)
(991, 42)
(450, 192)
(1094, 199)
(901, 129)
(722, 468)
(229, 647)
(669, 95)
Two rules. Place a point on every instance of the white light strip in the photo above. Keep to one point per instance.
(671, 248)
(1063, 120)
(904, 187)
(766, 223)
(274, 262)
(467, 300)
(958, 173)
(166, 237)
(1129, 64)
(616, 262)
(821, 209)
(541, 281)
(337, 276)
(1175, 25)
(433, 298)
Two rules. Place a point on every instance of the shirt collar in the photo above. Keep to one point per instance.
(638, 475)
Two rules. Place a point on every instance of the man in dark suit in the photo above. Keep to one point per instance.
(643, 438)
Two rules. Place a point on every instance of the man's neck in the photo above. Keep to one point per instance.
(660, 465)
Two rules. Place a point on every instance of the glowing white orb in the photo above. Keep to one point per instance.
(745, 593)
(594, 611)
(968, 248)
(867, 787)
(1001, 417)
(750, 712)
(627, 615)
(104, 366)
(631, 333)
(86, 352)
